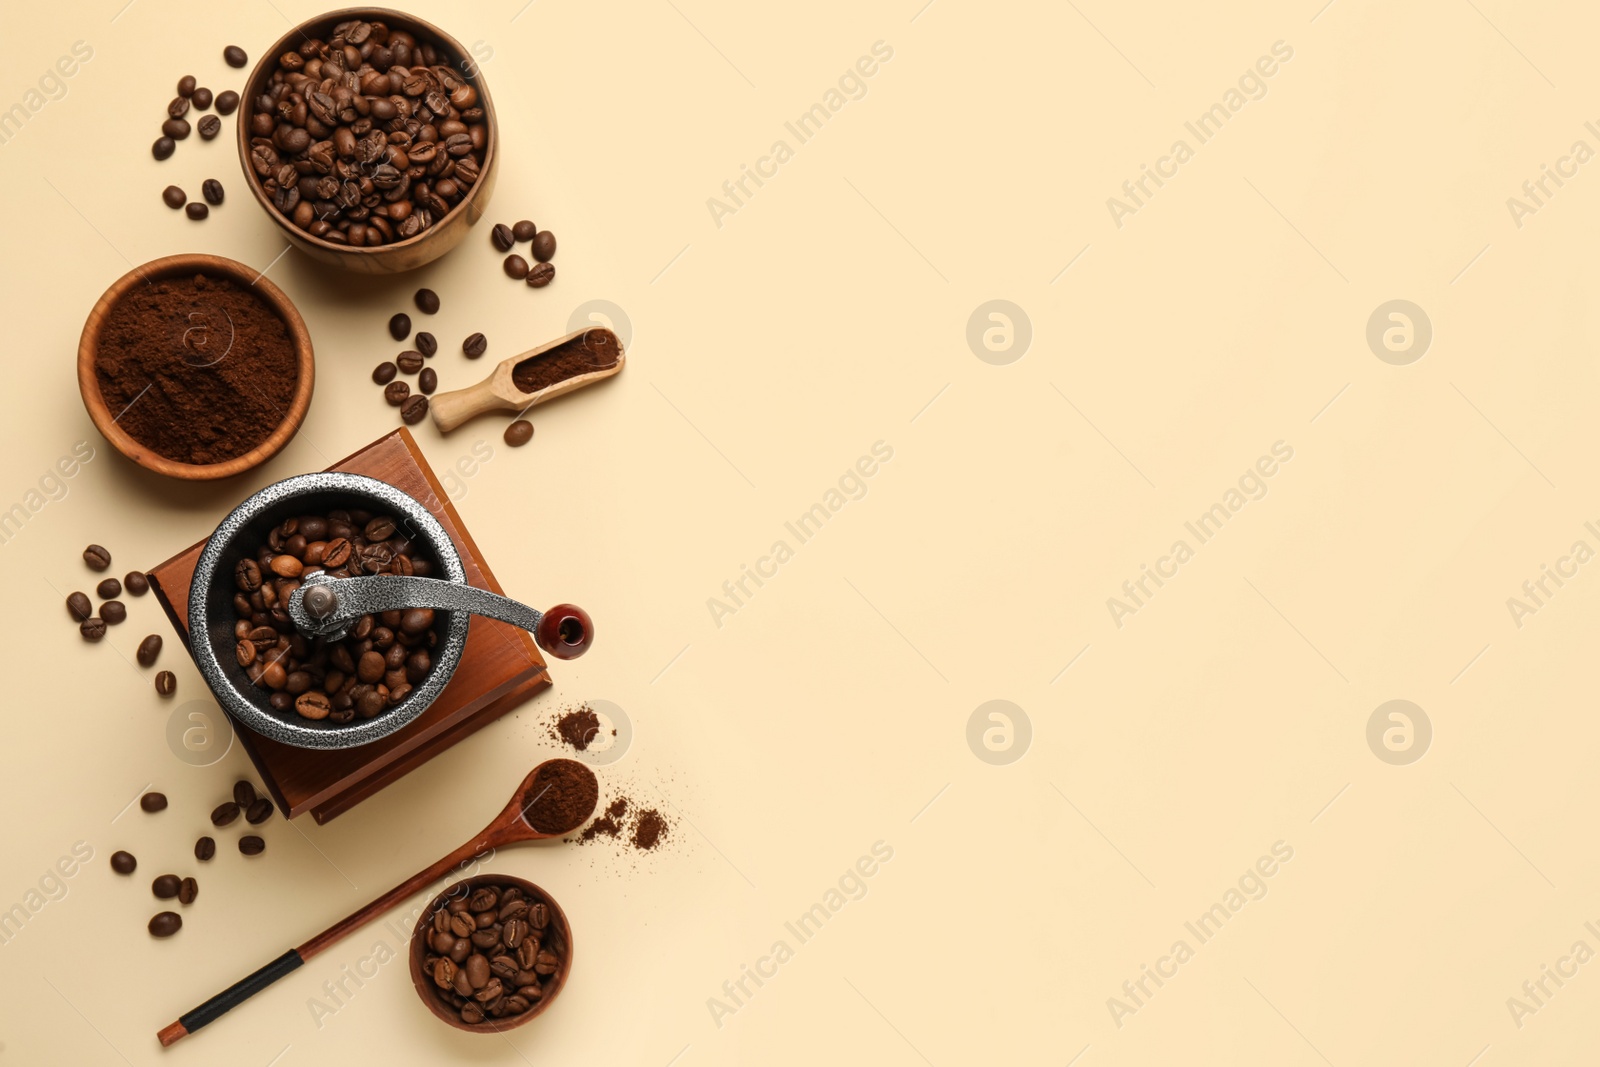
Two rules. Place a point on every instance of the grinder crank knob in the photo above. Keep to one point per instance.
(565, 631)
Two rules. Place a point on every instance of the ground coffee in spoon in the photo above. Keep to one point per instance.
(593, 350)
(199, 369)
(562, 795)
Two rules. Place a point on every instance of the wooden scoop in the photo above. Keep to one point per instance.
(594, 345)
(512, 826)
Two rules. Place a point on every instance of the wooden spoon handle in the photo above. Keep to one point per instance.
(457, 406)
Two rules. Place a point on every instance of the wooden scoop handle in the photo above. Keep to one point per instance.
(451, 409)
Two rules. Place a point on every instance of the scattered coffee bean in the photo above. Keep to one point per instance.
(426, 344)
(244, 793)
(227, 102)
(224, 813)
(149, 650)
(79, 606)
(205, 848)
(396, 392)
(153, 802)
(409, 361)
(524, 230)
(186, 84)
(261, 810)
(502, 237)
(123, 862)
(400, 326)
(211, 189)
(482, 965)
(165, 886)
(174, 197)
(165, 924)
(414, 410)
(177, 129)
(384, 373)
(179, 107)
(519, 433)
(475, 346)
(209, 127)
(197, 211)
(201, 98)
(113, 612)
(93, 628)
(108, 589)
(539, 275)
(188, 889)
(427, 301)
(234, 56)
(251, 845)
(544, 246)
(515, 267)
(428, 380)
(97, 558)
(136, 583)
(166, 683)
(163, 148)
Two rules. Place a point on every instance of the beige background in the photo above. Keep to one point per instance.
(830, 712)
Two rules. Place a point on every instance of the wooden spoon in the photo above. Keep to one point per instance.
(510, 827)
(499, 391)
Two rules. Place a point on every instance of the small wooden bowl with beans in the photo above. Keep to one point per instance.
(368, 136)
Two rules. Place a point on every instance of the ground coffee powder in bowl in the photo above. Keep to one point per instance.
(196, 367)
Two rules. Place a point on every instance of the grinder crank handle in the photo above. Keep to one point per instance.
(327, 606)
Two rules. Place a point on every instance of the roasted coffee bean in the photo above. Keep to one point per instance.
(234, 56)
(209, 127)
(201, 98)
(384, 373)
(113, 612)
(153, 802)
(251, 845)
(174, 197)
(224, 813)
(426, 344)
(396, 392)
(164, 147)
(79, 606)
(247, 575)
(515, 267)
(427, 301)
(149, 650)
(262, 809)
(211, 189)
(502, 237)
(165, 886)
(188, 889)
(123, 862)
(204, 849)
(524, 230)
(286, 566)
(244, 793)
(400, 326)
(178, 107)
(312, 705)
(136, 583)
(475, 346)
(428, 380)
(515, 930)
(337, 553)
(541, 275)
(544, 246)
(166, 683)
(244, 653)
(186, 84)
(93, 628)
(97, 558)
(227, 102)
(165, 924)
(444, 974)
(539, 916)
(519, 433)
(409, 361)
(108, 589)
(177, 129)
(471, 1013)
(414, 410)
(477, 968)
(197, 211)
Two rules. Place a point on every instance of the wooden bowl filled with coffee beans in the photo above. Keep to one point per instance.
(490, 953)
(196, 367)
(369, 137)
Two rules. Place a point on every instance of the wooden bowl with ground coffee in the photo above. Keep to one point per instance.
(196, 367)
